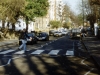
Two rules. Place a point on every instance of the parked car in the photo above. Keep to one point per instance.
(75, 33)
(64, 32)
(33, 41)
(57, 33)
(43, 36)
(51, 32)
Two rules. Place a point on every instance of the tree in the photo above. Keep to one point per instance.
(55, 24)
(65, 13)
(80, 19)
(65, 25)
(29, 9)
(11, 10)
(35, 8)
(94, 15)
(68, 14)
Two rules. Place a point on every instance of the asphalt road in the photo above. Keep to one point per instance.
(59, 56)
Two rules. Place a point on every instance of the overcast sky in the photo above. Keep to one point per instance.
(74, 5)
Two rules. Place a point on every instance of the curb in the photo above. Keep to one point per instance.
(96, 63)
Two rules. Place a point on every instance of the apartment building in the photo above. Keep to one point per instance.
(54, 13)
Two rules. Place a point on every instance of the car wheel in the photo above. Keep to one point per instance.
(47, 39)
(36, 41)
(31, 42)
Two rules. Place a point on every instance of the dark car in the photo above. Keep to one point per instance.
(75, 33)
(43, 36)
(33, 41)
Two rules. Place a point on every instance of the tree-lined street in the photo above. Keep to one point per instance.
(61, 50)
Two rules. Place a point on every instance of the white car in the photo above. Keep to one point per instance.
(64, 32)
(57, 33)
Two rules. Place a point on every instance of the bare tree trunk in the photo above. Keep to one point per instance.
(8, 24)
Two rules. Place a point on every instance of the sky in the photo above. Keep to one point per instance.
(74, 5)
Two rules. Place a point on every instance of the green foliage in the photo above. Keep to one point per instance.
(35, 8)
(27, 8)
(65, 25)
(11, 9)
(80, 19)
(55, 24)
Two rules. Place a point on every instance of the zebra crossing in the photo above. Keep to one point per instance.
(37, 52)
(53, 52)
(7, 51)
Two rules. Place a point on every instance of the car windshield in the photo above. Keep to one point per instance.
(30, 34)
(75, 30)
(40, 34)
(57, 32)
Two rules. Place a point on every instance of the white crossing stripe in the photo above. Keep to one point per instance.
(7, 51)
(37, 52)
(54, 52)
(19, 52)
(70, 53)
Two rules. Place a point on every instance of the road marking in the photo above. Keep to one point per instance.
(87, 66)
(54, 52)
(46, 44)
(70, 53)
(37, 52)
(7, 51)
(11, 59)
(19, 52)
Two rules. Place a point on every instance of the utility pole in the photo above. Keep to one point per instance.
(83, 12)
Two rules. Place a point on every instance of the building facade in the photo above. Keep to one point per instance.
(54, 13)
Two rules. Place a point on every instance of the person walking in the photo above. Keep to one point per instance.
(96, 27)
(83, 32)
(23, 37)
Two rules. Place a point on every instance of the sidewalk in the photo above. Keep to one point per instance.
(8, 42)
(92, 45)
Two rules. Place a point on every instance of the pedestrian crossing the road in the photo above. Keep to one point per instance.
(38, 52)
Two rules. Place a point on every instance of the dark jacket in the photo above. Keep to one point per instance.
(23, 36)
(83, 30)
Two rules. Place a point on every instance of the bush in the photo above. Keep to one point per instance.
(9, 34)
